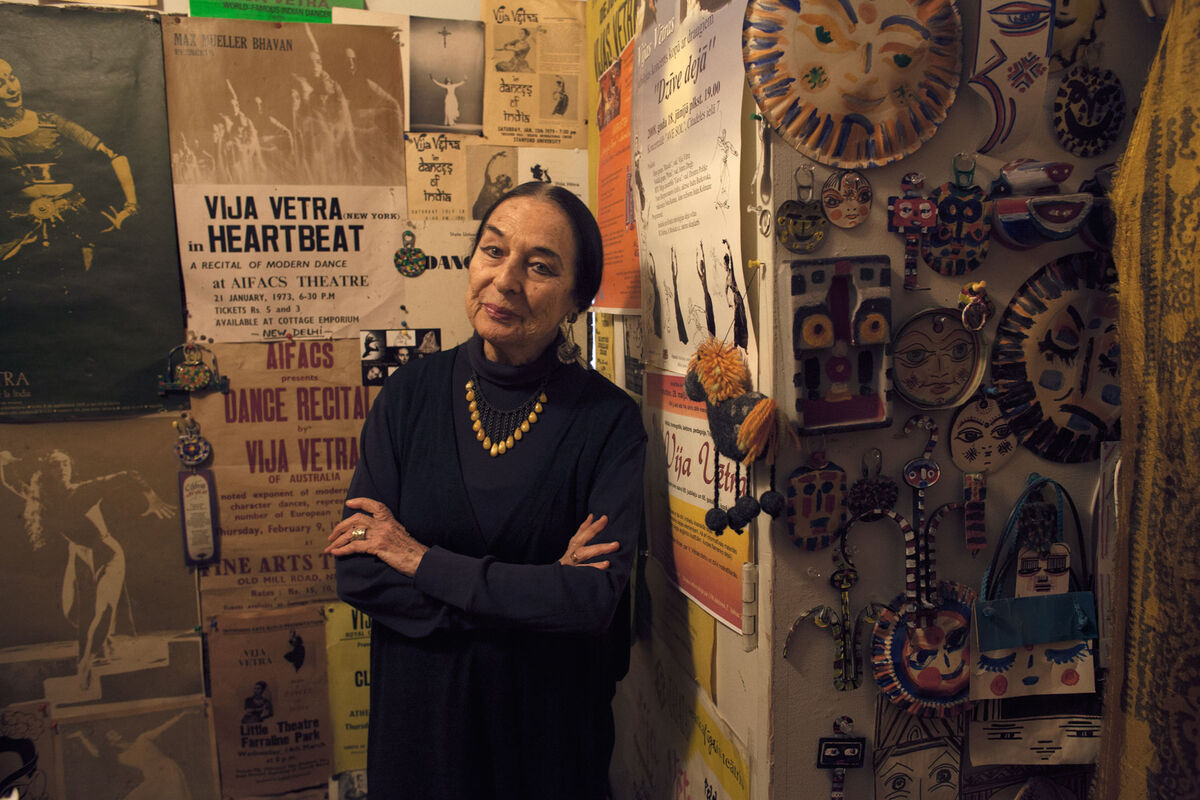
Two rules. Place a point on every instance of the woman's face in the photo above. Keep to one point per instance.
(10, 88)
(522, 277)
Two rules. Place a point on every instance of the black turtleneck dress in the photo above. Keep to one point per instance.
(493, 668)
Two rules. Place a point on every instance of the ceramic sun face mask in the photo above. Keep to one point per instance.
(936, 362)
(853, 84)
(1056, 360)
(846, 198)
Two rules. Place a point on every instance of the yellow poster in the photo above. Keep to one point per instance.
(605, 357)
(707, 566)
(534, 70)
(348, 650)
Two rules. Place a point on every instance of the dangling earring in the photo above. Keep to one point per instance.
(568, 350)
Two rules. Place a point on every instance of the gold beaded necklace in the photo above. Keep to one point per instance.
(499, 431)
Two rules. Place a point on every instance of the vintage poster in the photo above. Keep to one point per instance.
(287, 146)
(679, 746)
(29, 742)
(95, 555)
(446, 64)
(87, 223)
(687, 93)
(152, 749)
(566, 168)
(348, 646)
(605, 343)
(621, 290)
(705, 565)
(632, 355)
(285, 443)
(437, 177)
(270, 701)
(533, 73)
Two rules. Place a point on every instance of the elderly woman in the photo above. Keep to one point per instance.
(495, 516)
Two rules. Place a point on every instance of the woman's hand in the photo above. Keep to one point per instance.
(578, 549)
(376, 532)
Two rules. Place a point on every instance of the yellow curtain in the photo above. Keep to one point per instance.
(1151, 744)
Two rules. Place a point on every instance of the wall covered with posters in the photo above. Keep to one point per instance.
(225, 225)
(298, 196)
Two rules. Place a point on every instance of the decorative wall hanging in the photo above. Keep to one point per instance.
(846, 198)
(410, 260)
(816, 502)
(1011, 68)
(851, 90)
(920, 649)
(1042, 639)
(921, 472)
(1089, 110)
(197, 495)
(840, 752)
(911, 215)
(845, 629)
(799, 224)
(191, 367)
(872, 490)
(916, 758)
(976, 307)
(841, 329)
(958, 243)
(981, 441)
(1037, 730)
(938, 363)
(742, 423)
(1057, 357)
(1029, 209)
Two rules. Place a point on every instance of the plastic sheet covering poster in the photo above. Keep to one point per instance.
(679, 747)
(104, 606)
(533, 74)
(681, 455)
(687, 93)
(289, 173)
(270, 701)
(348, 645)
(89, 291)
(621, 289)
(29, 745)
(151, 749)
(285, 443)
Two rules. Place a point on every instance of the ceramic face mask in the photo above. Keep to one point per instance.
(936, 361)
(853, 84)
(846, 198)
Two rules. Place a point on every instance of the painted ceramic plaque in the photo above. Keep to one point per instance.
(853, 84)
(1089, 110)
(841, 328)
(1056, 360)
(958, 243)
(846, 198)
(936, 361)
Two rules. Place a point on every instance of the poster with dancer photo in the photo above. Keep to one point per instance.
(89, 287)
(447, 88)
(95, 555)
(534, 73)
(289, 163)
(437, 177)
(688, 80)
(157, 749)
(270, 701)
